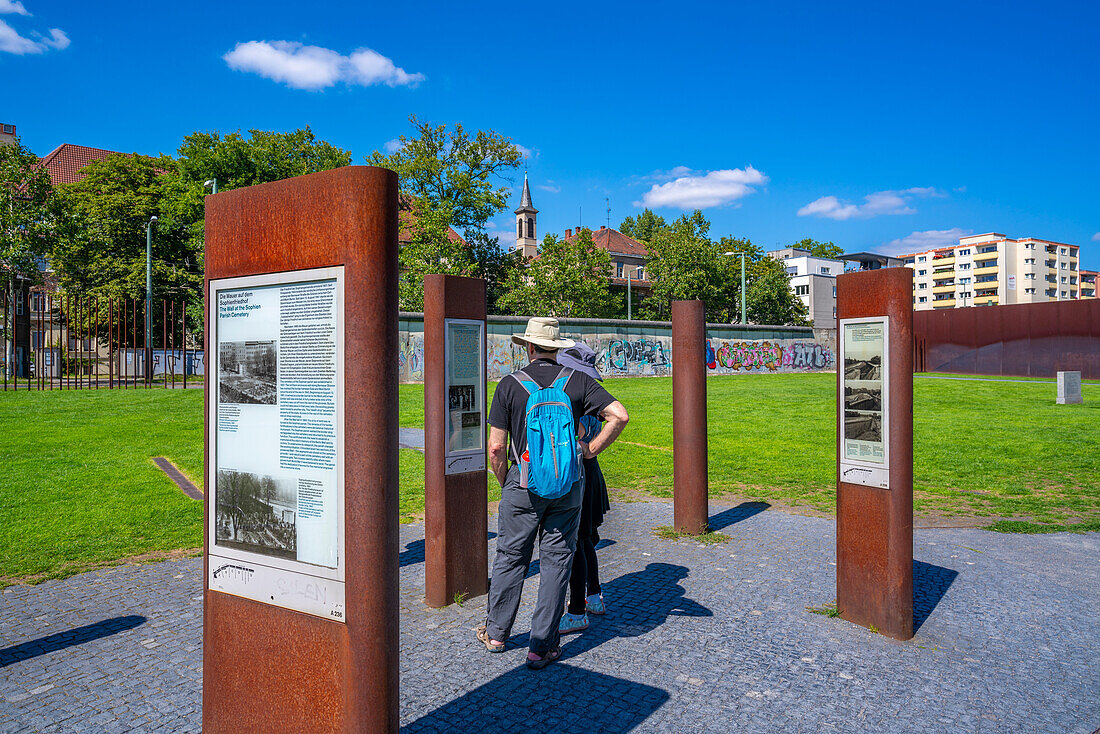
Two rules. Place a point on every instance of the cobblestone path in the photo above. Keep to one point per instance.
(696, 639)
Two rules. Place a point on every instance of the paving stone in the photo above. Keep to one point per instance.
(696, 638)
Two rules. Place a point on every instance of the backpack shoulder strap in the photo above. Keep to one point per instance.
(563, 377)
(526, 382)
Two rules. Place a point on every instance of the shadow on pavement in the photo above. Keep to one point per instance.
(559, 699)
(637, 604)
(743, 511)
(68, 638)
(930, 583)
(414, 552)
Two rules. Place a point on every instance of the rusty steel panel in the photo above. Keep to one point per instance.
(456, 521)
(689, 417)
(874, 527)
(1027, 339)
(266, 668)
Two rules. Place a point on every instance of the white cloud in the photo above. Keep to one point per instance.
(13, 43)
(313, 67)
(524, 151)
(694, 191)
(1096, 237)
(392, 146)
(930, 239)
(505, 232)
(549, 187)
(880, 202)
(12, 6)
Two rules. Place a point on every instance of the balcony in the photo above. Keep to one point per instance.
(945, 260)
(986, 270)
(986, 300)
(943, 275)
(944, 287)
(945, 303)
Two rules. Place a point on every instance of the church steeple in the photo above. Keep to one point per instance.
(526, 242)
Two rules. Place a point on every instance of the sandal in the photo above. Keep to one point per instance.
(483, 637)
(536, 662)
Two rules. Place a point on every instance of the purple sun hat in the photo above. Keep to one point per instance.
(581, 358)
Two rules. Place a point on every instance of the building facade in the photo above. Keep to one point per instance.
(813, 280)
(1088, 284)
(992, 269)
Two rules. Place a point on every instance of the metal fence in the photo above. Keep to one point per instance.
(72, 342)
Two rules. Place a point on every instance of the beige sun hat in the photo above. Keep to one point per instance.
(543, 331)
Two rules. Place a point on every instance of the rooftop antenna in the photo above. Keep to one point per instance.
(607, 199)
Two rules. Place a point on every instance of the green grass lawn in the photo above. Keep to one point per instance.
(78, 489)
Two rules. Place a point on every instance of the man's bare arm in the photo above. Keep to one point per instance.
(498, 453)
(615, 419)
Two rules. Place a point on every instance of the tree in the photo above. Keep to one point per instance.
(569, 278)
(685, 264)
(25, 223)
(819, 249)
(770, 298)
(453, 173)
(645, 227)
(448, 180)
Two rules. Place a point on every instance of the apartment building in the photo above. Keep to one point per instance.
(1088, 283)
(991, 269)
(813, 279)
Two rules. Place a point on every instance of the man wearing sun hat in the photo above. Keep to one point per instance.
(523, 514)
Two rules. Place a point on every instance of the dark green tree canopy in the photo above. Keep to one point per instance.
(26, 216)
(819, 249)
(645, 227)
(569, 278)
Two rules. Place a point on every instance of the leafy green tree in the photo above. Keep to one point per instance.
(26, 221)
(770, 298)
(451, 179)
(569, 278)
(645, 227)
(100, 244)
(684, 264)
(452, 172)
(819, 249)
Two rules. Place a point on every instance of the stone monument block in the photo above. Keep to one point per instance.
(1069, 388)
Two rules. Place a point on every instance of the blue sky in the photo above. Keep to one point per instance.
(878, 126)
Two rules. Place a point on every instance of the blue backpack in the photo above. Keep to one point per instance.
(551, 464)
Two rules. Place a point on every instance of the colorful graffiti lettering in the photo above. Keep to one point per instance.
(807, 356)
(748, 356)
(760, 356)
(637, 356)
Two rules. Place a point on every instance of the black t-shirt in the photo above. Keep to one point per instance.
(509, 409)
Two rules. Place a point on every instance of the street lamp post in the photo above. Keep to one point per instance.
(742, 282)
(213, 183)
(149, 296)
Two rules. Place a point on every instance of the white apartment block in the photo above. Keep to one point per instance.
(813, 279)
(991, 269)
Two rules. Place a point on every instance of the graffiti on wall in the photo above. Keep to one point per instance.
(765, 356)
(623, 355)
(632, 356)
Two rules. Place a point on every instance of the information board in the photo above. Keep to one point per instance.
(864, 427)
(465, 369)
(276, 432)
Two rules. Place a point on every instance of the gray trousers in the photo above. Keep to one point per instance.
(523, 515)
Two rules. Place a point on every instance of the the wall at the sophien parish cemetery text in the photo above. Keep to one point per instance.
(641, 348)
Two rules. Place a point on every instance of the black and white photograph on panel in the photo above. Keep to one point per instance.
(863, 369)
(256, 513)
(863, 426)
(247, 372)
(462, 397)
(863, 395)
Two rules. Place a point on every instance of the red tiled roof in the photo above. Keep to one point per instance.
(615, 241)
(406, 217)
(66, 160)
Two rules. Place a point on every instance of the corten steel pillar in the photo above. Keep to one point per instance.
(266, 668)
(456, 518)
(689, 417)
(874, 527)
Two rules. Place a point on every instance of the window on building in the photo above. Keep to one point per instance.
(922, 272)
(18, 305)
(802, 290)
(519, 228)
(1063, 251)
(1029, 245)
(792, 271)
(824, 271)
(1065, 265)
(922, 286)
(834, 291)
(531, 227)
(9, 129)
(908, 261)
(1065, 279)
(618, 270)
(834, 312)
(38, 339)
(964, 266)
(1029, 290)
(1063, 294)
(921, 259)
(1072, 280)
(640, 272)
(1029, 276)
(964, 252)
(1029, 261)
(1073, 252)
(38, 302)
(923, 299)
